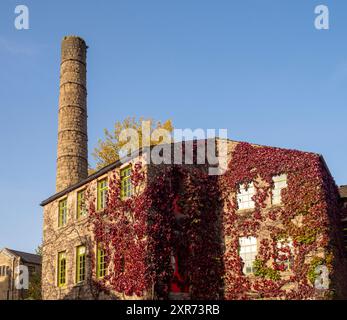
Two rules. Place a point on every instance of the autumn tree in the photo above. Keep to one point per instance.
(34, 291)
(38, 250)
(109, 148)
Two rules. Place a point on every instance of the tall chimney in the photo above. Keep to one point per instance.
(72, 160)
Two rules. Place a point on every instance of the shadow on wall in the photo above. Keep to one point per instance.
(198, 245)
(79, 292)
(4, 288)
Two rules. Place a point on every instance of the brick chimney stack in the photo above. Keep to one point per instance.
(72, 159)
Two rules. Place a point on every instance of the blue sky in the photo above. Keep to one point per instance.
(258, 68)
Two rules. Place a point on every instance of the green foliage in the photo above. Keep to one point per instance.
(38, 250)
(108, 149)
(307, 237)
(265, 272)
(34, 291)
(311, 274)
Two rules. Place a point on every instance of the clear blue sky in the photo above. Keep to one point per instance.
(258, 68)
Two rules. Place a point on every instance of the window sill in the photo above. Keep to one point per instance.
(250, 276)
(61, 228)
(277, 205)
(80, 284)
(82, 218)
(241, 211)
(125, 198)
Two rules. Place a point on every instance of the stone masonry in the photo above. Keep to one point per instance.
(72, 163)
(78, 230)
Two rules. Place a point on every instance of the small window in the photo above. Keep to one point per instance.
(102, 194)
(80, 264)
(280, 183)
(122, 264)
(285, 253)
(101, 259)
(81, 206)
(62, 213)
(61, 269)
(244, 197)
(248, 252)
(31, 270)
(4, 271)
(126, 185)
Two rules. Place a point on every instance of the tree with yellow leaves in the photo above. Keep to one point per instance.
(108, 149)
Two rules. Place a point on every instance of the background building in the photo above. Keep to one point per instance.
(9, 260)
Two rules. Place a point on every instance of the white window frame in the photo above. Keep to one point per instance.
(280, 183)
(244, 196)
(286, 243)
(248, 250)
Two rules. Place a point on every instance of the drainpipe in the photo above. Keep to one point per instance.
(12, 278)
(8, 274)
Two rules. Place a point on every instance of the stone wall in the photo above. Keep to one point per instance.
(72, 163)
(58, 239)
(5, 283)
(78, 232)
(7, 286)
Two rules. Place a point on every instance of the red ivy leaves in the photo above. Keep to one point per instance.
(144, 230)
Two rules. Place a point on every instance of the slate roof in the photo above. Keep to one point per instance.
(26, 257)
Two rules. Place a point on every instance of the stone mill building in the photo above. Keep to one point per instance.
(269, 227)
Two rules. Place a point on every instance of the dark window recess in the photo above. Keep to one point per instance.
(31, 270)
(122, 264)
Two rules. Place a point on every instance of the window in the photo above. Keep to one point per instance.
(248, 252)
(80, 264)
(285, 253)
(4, 271)
(31, 270)
(126, 186)
(244, 196)
(280, 182)
(62, 213)
(102, 194)
(101, 266)
(81, 207)
(61, 269)
(122, 263)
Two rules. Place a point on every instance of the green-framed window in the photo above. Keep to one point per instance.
(61, 268)
(126, 185)
(81, 205)
(80, 264)
(101, 259)
(62, 213)
(102, 194)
